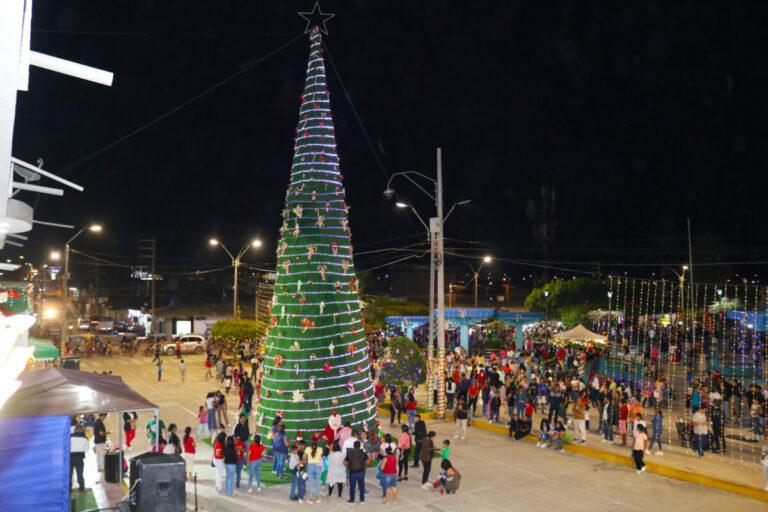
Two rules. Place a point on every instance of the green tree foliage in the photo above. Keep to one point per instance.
(377, 308)
(403, 363)
(575, 315)
(495, 331)
(566, 293)
(231, 329)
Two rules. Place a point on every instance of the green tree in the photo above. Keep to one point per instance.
(495, 331)
(565, 293)
(403, 364)
(316, 360)
(377, 309)
(232, 329)
(575, 315)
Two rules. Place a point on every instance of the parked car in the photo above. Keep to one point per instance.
(190, 344)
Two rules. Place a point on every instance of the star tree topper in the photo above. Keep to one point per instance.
(316, 18)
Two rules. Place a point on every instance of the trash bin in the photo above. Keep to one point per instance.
(113, 473)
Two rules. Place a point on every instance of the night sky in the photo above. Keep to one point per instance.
(638, 115)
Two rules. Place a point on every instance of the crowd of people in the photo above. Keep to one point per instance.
(574, 400)
(317, 471)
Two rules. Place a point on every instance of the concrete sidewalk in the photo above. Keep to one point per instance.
(496, 472)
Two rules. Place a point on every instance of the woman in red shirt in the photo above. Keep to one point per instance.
(623, 414)
(474, 391)
(218, 460)
(189, 452)
(255, 454)
(388, 467)
(410, 409)
(240, 449)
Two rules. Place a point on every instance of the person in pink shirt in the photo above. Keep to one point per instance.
(404, 444)
(344, 433)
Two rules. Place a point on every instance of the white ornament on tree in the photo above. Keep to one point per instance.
(298, 396)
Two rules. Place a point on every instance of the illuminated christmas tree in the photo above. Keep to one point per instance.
(316, 357)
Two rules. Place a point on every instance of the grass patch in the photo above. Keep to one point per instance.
(84, 501)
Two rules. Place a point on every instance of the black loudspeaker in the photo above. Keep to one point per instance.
(112, 471)
(158, 483)
(70, 363)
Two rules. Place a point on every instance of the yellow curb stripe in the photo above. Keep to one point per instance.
(653, 467)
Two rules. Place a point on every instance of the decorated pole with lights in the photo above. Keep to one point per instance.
(316, 364)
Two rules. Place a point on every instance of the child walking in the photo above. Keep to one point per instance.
(202, 419)
(638, 449)
(546, 433)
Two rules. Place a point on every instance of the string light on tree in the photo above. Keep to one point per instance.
(316, 362)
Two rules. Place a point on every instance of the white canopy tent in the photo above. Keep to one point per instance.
(580, 334)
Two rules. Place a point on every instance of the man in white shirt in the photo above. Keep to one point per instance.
(700, 430)
(350, 443)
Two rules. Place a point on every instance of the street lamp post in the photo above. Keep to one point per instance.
(236, 265)
(486, 259)
(435, 229)
(546, 305)
(94, 228)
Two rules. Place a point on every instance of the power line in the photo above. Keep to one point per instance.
(354, 111)
(179, 107)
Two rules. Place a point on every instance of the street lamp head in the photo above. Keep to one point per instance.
(401, 204)
(213, 241)
(487, 259)
(610, 294)
(546, 293)
(96, 228)
(256, 243)
(389, 192)
(685, 267)
(462, 203)
(720, 292)
(55, 255)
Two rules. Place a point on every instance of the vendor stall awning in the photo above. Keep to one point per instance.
(44, 349)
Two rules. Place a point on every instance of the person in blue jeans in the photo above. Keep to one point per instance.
(356, 462)
(700, 430)
(297, 466)
(557, 434)
(314, 456)
(212, 425)
(274, 429)
(255, 459)
(546, 433)
(656, 422)
(279, 451)
(230, 465)
(607, 416)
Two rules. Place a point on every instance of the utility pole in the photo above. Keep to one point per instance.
(431, 344)
(435, 229)
(440, 264)
(148, 250)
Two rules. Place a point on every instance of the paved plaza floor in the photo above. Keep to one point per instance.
(497, 473)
